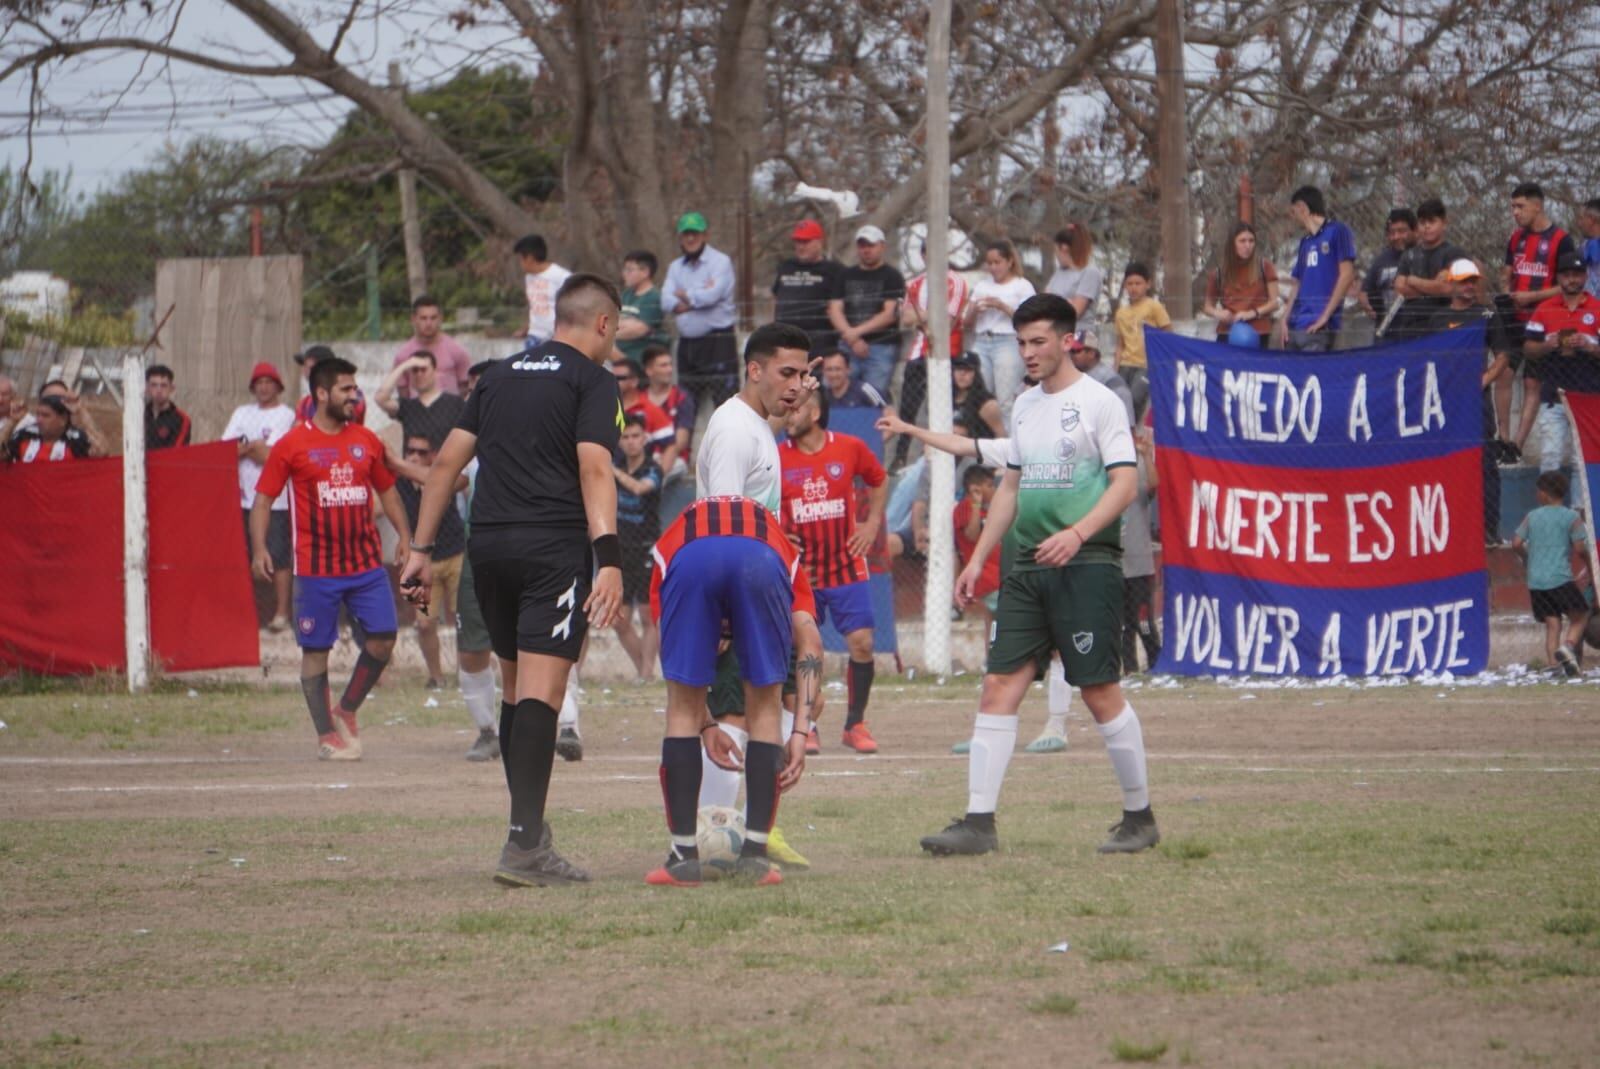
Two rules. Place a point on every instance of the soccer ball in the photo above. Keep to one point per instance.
(719, 834)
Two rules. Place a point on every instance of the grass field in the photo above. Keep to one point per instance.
(1404, 876)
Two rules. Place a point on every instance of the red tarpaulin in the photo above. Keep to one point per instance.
(61, 548)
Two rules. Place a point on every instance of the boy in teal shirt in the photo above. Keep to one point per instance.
(1547, 537)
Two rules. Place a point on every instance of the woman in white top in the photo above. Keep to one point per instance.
(994, 339)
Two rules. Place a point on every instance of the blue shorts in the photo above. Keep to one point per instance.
(729, 578)
(317, 599)
(848, 606)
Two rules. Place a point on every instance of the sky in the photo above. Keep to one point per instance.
(112, 111)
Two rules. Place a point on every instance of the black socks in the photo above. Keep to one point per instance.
(860, 684)
(762, 763)
(362, 680)
(528, 753)
(315, 689)
(680, 791)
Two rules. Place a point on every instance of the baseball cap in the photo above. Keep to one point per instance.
(1570, 261)
(964, 360)
(869, 233)
(1463, 270)
(264, 370)
(691, 221)
(807, 230)
(314, 353)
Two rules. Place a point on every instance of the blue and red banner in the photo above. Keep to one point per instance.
(1584, 411)
(1321, 514)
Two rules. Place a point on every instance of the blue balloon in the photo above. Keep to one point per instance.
(1244, 336)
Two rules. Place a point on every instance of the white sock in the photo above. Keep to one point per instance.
(478, 690)
(569, 702)
(993, 739)
(718, 786)
(1125, 747)
(788, 725)
(1059, 699)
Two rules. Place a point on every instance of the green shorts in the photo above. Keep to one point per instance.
(472, 634)
(1076, 610)
(725, 696)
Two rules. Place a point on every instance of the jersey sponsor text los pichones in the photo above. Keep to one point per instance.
(819, 504)
(729, 517)
(332, 478)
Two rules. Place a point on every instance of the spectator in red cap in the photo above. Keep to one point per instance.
(809, 290)
(254, 427)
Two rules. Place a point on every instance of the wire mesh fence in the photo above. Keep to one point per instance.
(84, 349)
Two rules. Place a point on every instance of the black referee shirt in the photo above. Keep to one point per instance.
(432, 422)
(529, 413)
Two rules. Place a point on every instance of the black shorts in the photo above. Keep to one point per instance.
(531, 586)
(279, 546)
(1564, 600)
(636, 578)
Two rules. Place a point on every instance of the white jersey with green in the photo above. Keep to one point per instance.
(1063, 444)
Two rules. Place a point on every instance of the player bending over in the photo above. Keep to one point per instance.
(334, 466)
(726, 559)
(1070, 472)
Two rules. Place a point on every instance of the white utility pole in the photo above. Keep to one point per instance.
(135, 527)
(942, 487)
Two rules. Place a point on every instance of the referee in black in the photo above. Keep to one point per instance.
(546, 563)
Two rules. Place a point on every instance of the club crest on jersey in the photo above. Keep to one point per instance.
(1326, 249)
(358, 451)
(1588, 319)
(1066, 448)
(307, 625)
(836, 470)
(1069, 418)
(1083, 641)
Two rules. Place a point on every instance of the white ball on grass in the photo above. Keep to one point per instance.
(719, 835)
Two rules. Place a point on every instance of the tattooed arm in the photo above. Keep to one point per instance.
(808, 683)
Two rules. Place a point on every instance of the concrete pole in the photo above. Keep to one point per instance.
(135, 527)
(942, 564)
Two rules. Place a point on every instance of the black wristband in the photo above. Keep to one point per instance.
(428, 549)
(608, 551)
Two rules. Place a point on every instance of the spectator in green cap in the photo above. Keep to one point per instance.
(699, 294)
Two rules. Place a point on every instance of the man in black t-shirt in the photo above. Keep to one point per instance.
(872, 294)
(809, 289)
(1377, 291)
(1421, 275)
(431, 412)
(544, 425)
(1462, 309)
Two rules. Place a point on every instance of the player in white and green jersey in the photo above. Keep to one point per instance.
(1070, 473)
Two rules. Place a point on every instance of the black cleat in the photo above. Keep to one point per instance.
(569, 744)
(962, 837)
(486, 748)
(1133, 833)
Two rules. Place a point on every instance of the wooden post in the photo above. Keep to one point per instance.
(942, 485)
(410, 219)
(1172, 163)
(1247, 200)
(135, 532)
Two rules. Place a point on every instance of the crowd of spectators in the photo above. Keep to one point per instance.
(676, 357)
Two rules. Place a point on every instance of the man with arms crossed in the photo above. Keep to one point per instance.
(333, 466)
(1070, 472)
(546, 561)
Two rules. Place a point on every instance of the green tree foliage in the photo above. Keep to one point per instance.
(491, 118)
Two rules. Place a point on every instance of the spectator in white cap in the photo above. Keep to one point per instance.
(872, 294)
(253, 428)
